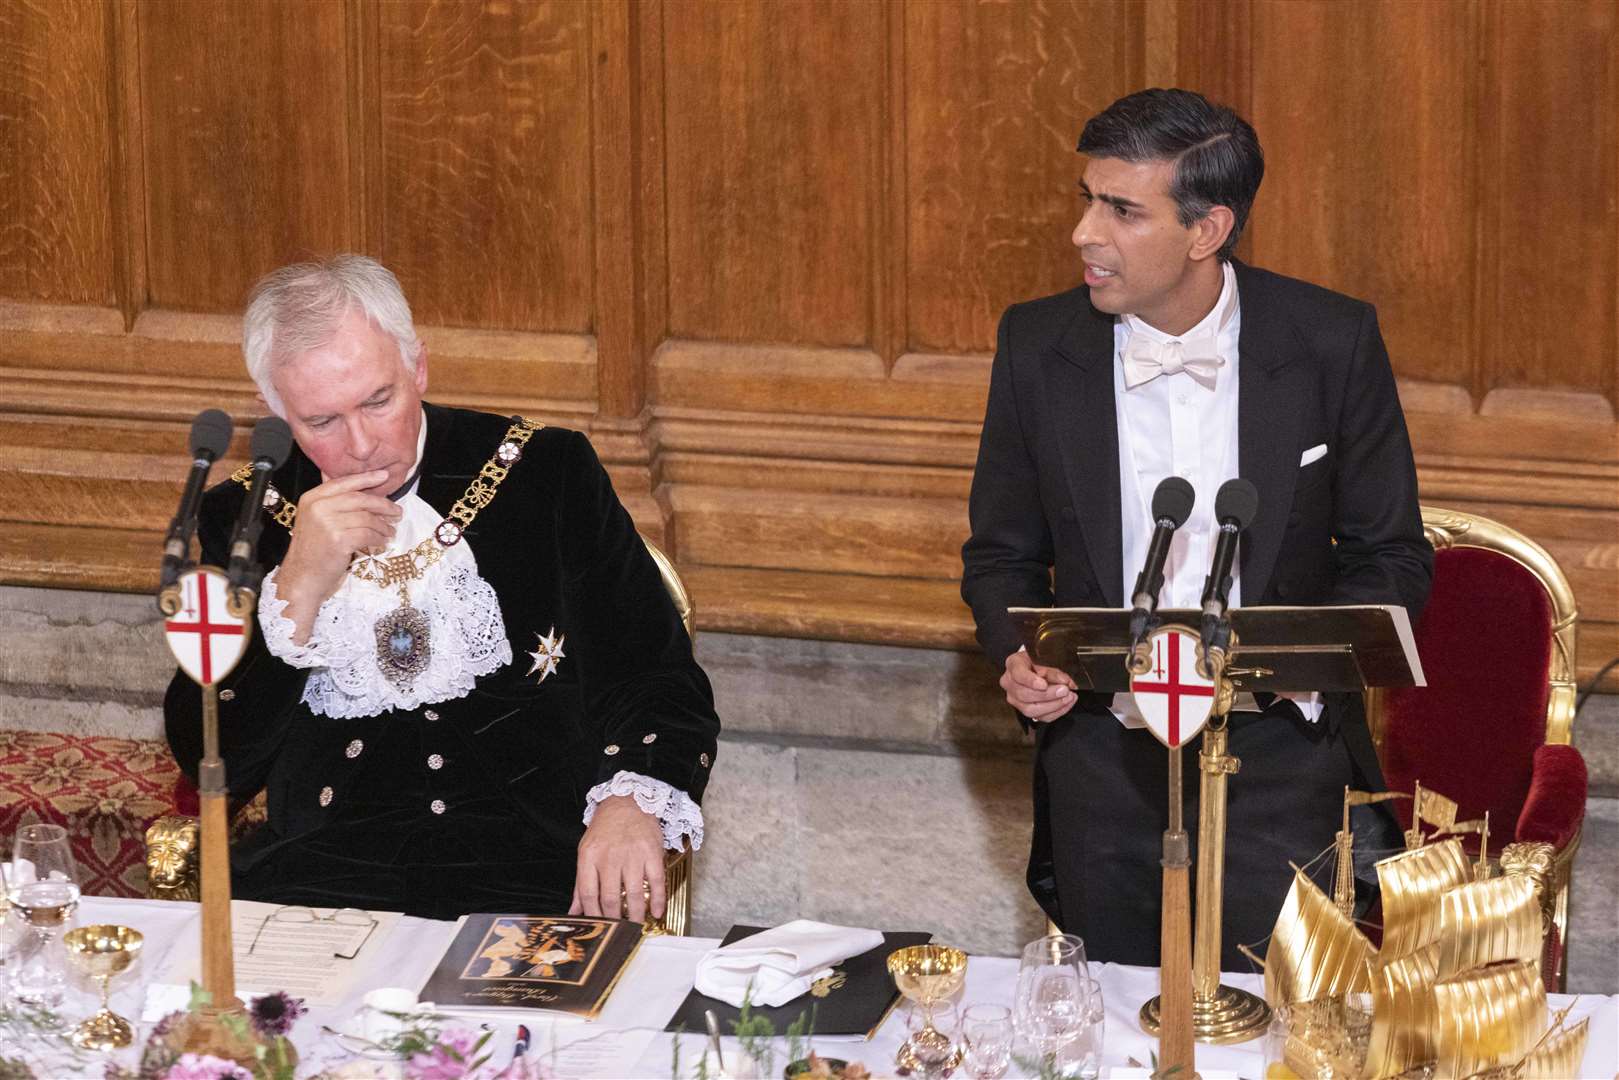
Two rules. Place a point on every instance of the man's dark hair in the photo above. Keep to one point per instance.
(1215, 152)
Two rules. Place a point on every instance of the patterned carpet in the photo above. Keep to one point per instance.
(105, 790)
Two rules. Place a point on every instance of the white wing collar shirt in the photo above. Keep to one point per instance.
(469, 641)
(1175, 405)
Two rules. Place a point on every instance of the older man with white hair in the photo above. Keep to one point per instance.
(470, 691)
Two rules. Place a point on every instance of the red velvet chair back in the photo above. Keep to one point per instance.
(1486, 643)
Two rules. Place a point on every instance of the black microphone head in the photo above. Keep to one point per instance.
(272, 441)
(1237, 500)
(210, 434)
(1173, 499)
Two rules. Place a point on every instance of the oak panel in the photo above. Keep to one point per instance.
(486, 185)
(796, 530)
(247, 164)
(996, 96)
(773, 130)
(55, 148)
(836, 382)
(1366, 113)
(1552, 255)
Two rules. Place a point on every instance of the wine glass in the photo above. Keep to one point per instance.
(1053, 999)
(986, 1041)
(1085, 1052)
(11, 932)
(43, 889)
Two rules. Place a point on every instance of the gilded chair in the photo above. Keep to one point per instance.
(1493, 728)
(171, 842)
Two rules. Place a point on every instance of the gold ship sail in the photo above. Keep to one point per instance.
(1404, 1013)
(1484, 922)
(1412, 883)
(1558, 1056)
(1316, 950)
(1489, 1018)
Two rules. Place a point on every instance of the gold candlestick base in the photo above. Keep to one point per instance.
(1230, 1016)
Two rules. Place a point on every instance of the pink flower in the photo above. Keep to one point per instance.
(453, 1057)
(205, 1067)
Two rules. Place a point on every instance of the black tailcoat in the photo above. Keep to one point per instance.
(511, 762)
(1344, 529)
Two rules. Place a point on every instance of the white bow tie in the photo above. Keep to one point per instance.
(1146, 358)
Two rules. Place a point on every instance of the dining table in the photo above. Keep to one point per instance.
(627, 1038)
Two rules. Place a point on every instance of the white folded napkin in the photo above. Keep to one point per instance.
(780, 963)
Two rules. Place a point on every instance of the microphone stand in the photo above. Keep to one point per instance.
(220, 1027)
(1220, 1013)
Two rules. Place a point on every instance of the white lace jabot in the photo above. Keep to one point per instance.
(467, 635)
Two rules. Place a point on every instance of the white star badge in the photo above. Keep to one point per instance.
(547, 655)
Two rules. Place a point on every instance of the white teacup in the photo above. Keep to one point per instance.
(383, 1012)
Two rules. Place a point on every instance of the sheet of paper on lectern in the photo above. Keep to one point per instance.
(304, 958)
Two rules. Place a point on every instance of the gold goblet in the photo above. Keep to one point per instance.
(927, 975)
(102, 952)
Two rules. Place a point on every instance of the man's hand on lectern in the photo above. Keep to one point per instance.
(1038, 692)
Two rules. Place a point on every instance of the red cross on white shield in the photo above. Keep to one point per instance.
(1173, 698)
(205, 638)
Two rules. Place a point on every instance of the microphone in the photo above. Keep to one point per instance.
(1171, 506)
(1235, 505)
(210, 436)
(272, 442)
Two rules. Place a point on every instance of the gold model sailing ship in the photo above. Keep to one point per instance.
(1454, 989)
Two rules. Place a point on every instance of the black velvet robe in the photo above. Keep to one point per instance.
(474, 803)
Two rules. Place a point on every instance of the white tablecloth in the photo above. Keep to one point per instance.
(658, 979)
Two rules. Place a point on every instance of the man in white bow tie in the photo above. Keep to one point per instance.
(1174, 359)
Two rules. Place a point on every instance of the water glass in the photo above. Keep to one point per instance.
(1275, 1045)
(986, 1041)
(42, 883)
(1053, 996)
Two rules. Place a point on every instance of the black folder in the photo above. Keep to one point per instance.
(858, 1006)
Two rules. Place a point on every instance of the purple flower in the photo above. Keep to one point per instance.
(273, 1014)
(451, 1058)
(205, 1067)
(166, 1025)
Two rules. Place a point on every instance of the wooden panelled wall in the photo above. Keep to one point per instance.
(758, 248)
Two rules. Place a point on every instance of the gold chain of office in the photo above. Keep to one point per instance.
(412, 564)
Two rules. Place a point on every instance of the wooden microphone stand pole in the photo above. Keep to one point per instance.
(219, 1027)
(1174, 1002)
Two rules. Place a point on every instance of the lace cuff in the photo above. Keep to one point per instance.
(278, 630)
(679, 816)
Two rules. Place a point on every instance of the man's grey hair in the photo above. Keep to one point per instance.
(298, 308)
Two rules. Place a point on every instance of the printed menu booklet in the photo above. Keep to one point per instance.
(854, 1000)
(553, 962)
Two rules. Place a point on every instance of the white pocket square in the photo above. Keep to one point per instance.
(1315, 453)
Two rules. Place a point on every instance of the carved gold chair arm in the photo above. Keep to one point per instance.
(1550, 869)
(172, 845)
